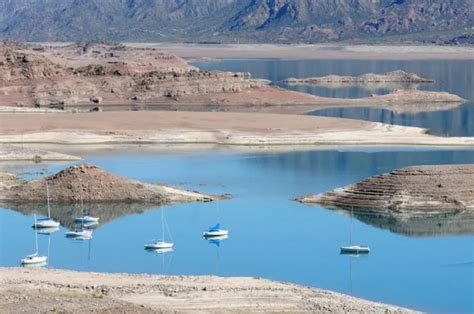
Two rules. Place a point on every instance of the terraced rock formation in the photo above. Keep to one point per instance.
(94, 185)
(426, 189)
(100, 73)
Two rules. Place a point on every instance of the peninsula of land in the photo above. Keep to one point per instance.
(166, 127)
(45, 290)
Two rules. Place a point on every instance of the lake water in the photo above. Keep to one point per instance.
(454, 76)
(430, 268)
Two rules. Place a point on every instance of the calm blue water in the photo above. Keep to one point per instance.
(454, 76)
(270, 235)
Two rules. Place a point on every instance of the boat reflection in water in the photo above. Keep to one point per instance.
(216, 241)
(48, 231)
(166, 258)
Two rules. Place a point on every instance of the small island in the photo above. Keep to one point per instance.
(397, 76)
(412, 190)
(90, 183)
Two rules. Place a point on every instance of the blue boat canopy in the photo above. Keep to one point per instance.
(216, 227)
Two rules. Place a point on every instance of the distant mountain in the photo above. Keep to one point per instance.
(237, 20)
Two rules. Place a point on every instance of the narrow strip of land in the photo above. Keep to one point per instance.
(211, 128)
(319, 51)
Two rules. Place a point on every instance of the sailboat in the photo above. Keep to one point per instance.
(354, 249)
(86, 219)
(35, 258)
(161, 246)
(46, 222)
(216, 230)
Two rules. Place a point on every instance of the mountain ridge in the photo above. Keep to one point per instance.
(282, 21)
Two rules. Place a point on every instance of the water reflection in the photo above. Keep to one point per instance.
(440, 119)
(66, 213)
(270, 233)
(453, 76)
(216, 241)
(428, 225)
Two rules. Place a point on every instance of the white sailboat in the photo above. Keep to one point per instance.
(35, 258)
(161, 246)
(354, 249)
(86, 219)
(216, 230)
(46, 222)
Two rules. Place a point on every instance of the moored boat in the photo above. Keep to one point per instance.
(215, 231)
(35, 258)
(46, 222)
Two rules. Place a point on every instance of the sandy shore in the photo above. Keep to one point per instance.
(16, 153)
(160, 127)
(320, 51)
(43, 290)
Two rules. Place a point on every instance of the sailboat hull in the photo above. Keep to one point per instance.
(159, 246)
(34, 260)
(355, 250)
(215, 233)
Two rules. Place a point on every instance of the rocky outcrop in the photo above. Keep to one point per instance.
(18, 65)
(91, 183)
(398, 76)
(83, 74)
(426, 189)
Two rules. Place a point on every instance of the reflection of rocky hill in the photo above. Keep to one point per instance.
(419, 225)
(65, 214)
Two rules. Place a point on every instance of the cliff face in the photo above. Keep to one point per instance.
(230, 20)
(97, 73)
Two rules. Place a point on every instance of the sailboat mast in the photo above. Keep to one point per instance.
(352, 214)
(47, 196)
(36, 237)
(162, 225)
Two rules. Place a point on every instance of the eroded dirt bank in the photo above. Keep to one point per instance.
(44, 290)
(425, 189)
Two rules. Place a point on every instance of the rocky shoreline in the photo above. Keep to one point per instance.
(44, 290)
(411, 190)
